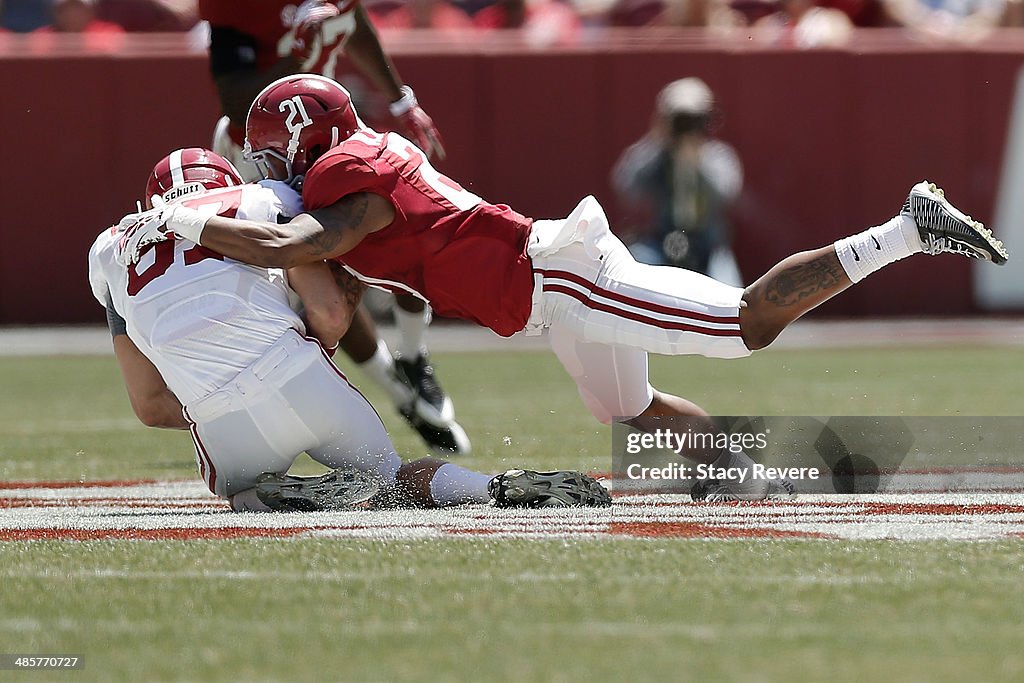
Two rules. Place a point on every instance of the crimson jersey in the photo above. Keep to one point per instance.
(269, 27)
(464, 256)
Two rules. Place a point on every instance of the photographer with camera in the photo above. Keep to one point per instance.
(686, 179)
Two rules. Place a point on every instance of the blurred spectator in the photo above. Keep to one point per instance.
(635, 12)
(687, 180)
(803, 24)
(595, 13)
(437, 14)
(544, 22)
(752, 10)
(77, 16)
(23, 16)
(149, 15)
(863, 13)
(967, 20)
(1013, 16)
(716, 15)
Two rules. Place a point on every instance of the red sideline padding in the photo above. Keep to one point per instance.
(831, 140)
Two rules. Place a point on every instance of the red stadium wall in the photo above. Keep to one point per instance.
(830, 140)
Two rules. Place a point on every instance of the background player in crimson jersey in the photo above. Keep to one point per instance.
(214, 346)
(253, 44)
(375, 204)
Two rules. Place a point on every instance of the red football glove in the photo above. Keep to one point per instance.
(417, 124)
(309, 18)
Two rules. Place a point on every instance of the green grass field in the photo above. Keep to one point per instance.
(68, 418)
(499, 609)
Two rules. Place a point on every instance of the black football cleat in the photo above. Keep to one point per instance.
(341, 489)
(529, 489)
(448, 440)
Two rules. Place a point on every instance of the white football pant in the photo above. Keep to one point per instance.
(292, 399)
(605, 312)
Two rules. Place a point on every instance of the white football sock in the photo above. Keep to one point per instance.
(412, 327)
(455, 485)
(379, 369)
(868, 251)
(750, 488)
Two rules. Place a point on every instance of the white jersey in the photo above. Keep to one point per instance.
(199, 317)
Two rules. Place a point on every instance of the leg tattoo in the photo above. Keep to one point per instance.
(801, 281)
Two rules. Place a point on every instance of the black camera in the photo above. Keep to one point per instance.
(686, 124)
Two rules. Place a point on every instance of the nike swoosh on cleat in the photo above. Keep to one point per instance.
(856, 256)
(877, 245)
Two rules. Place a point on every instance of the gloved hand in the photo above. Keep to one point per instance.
(417, 124)
(137, 231)
(309, 19)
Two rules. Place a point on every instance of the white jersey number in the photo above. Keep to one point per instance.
(163, 258)
(463, 199)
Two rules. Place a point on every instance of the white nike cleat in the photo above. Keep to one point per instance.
(946, 229)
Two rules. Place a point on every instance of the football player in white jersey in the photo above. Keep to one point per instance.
(253, 44)
(211, 345)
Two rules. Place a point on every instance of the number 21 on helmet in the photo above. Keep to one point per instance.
(294, 121)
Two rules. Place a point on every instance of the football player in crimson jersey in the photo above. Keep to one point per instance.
(254, 45)
(214, 346)
(376, 205)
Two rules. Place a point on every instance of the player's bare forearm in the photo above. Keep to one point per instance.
(352, 289)
(301, 241)
(152, 402)
(327, 299)
(255, 242)
(366, 54)
(309, 237)
(237, 89)
(166, 412)
(340, 227)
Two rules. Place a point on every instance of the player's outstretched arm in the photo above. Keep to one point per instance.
(309, 237)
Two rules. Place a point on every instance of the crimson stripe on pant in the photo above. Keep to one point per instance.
(206, 468)
(663, 324)
(631, 301)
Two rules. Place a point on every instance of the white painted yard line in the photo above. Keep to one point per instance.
(181, 510)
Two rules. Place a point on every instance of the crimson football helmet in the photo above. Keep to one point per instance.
(189, 171)
(294, 120)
